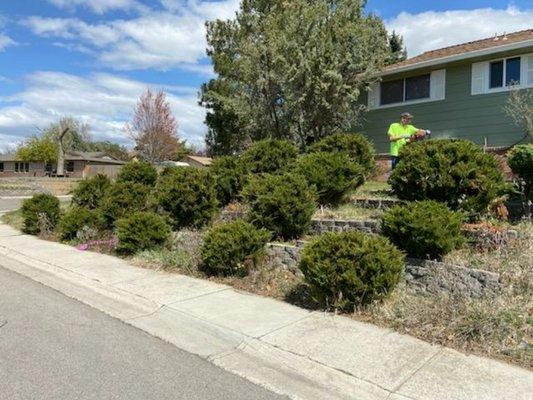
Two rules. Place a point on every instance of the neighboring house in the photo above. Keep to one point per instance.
(197, 161)
(77, 165)
(456, 92)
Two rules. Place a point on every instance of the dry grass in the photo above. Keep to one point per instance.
(499, 327)
(13, 218)
(373, 190)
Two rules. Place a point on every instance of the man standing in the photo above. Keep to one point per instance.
(401, 133)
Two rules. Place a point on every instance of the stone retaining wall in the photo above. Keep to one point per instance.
(319, 226)
(420, 275)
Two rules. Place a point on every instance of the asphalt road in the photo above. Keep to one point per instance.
(53, 347)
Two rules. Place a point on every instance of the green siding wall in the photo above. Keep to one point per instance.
(460, 115)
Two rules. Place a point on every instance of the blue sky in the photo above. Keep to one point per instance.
(91, 59)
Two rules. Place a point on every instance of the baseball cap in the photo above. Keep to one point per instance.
(406, 115)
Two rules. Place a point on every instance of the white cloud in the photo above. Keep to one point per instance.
(160, 40)
(5, 41)
(433, 30)
(99, 6)
(104, 101)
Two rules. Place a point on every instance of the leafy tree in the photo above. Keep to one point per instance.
(38, 149)
(112, 149)
(78, 137)
(225, 133)
(520, 108)
(295, 69)
(397, 49)
(154, 129)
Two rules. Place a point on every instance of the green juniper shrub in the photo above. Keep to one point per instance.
(138, 172)
(348, 269)
(230, 174)
(141, 231)
(122, 199)
(188, 196)
(76, 218)
(455, 172)
(39, 212)
(520, 160)
(283, 204)
(425, 229)
(332, 174)
(230, 247)
(270, 156)
(90, 192)
(357, 146)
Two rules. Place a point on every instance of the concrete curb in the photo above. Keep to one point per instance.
(291, 351)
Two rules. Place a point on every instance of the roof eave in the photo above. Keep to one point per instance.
(458, 57)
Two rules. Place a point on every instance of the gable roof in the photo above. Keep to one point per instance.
(465, 50)
(199, 159)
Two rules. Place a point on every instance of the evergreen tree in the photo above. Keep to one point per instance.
(294, 70)
(398, 52)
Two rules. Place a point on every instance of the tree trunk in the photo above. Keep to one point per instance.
(61, 154)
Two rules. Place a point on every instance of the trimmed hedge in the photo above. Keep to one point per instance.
(520, 160)
(355, 145)
(425, 229)
(283, 204)
(188, 196)
(40, 209)
(122, 199)
(229, 247)
(76, 218)
(348, 269)
(455, 172)
(138, 172)
(90, 192)
(270, 156)
(230, 174)
(141, 231)
(332, 174)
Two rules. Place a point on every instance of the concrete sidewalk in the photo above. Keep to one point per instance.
(291, 351)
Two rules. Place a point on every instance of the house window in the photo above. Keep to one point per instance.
(1, 167)
(70, 166)
(392, 92)
(504, 72)
(22, 167)
(400, 90)
(417, 87)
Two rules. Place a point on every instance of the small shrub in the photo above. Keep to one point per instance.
(355, 145)
(141, 231)
(283, 204)
(332, 174)
(39, 213)
(520, 160)
(229, 247)
(90, 192)
(455, 172)
(348, 269)
(230, 174)
(425, 229)
(138, 172)
(122, 199)
(270, 156)
(188, 196)
(77, 218)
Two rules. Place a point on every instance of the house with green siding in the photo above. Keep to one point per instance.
(456, 92)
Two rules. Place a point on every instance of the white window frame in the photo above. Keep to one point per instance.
(504, 76)
(429, 99)
(524, 84)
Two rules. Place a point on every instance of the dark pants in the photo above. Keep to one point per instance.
(394, 161)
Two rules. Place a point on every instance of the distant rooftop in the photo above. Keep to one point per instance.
(465, 48)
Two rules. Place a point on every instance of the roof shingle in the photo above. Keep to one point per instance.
(468, 47)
